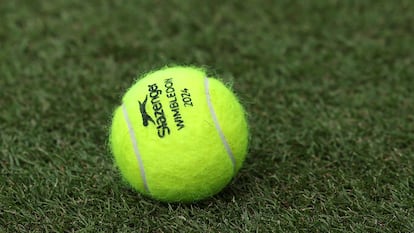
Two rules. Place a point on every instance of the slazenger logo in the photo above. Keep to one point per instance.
(145, 117)
(159, 119)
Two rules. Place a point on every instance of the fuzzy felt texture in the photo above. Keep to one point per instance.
(182, 154)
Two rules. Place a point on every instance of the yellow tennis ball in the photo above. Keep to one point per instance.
(179, 136)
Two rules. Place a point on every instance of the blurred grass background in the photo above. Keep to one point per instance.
(329, 87)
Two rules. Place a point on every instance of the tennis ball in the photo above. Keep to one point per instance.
(179, 136)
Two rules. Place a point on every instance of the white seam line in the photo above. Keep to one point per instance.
(217, 125)
(135, 146)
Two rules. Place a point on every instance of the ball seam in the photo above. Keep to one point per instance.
(135, 147)
(217, 125)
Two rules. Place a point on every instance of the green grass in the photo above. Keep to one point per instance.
(329, 87)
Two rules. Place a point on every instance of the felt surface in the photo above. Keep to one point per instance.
(190, 162)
